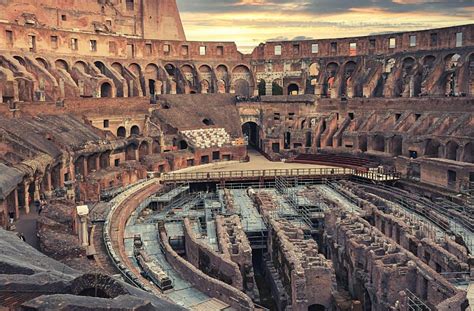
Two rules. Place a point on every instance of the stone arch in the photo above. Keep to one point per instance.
(118, 67)
(432, 148)
(143, 150)
(262, 87)
(205, 69)
(189, 74)
(131, 152)
(182, 145)
(221, 86)
(222, 71)
(170, 69)
(347, 82)
(205, 86)
(151, 75)
(106, 90)
(379, 143)
(242, 87)
(43, 62)
(101, 66)
(61, 64)
(135, 130)
(81, 66)
(121, 132)
(429, 60)
(277, 87)
(468, 155)
(104, 159)
(97, 285)
(21, 60)
(451, 61)
(452, 150)
(332, 69)
(293, 89)
(397, 145)
(151, 70)
(241, 73)
(135, 69)
(251, 132)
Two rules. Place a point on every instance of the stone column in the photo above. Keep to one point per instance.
(4, 209)
(97, 162)
(85, 172)
(16, 204)
(48, 189)
(82, 217)
(27, 197)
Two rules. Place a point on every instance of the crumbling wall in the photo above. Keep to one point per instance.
(209, 285)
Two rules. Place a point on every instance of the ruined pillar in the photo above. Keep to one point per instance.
(82, 213)
(85, 168)
(16, 205)
(48, 188)
(4, 212)
(27, 197)
(97, 162)
(37, 193)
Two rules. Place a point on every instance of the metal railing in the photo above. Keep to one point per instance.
(254, 174)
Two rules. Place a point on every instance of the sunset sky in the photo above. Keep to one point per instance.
(249, 22)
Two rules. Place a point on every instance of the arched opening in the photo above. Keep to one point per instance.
(20, 60)
(379, 143)
(105, 160)
(468, 153)
(135, 130)
(363, 143)
(79, 167)
(452, 148)
(287, 140)
(397, 145)
(251, 133)
(61, 64)
(262, 88)
(242, 88)
(91, 163)
(121, 132)
(316, 307)
(131, 152)
(205, 86)
(170, 69)
(151, 86)
(277, 87)
(100, 66)
(208, 122)
(331, 72)
(42, 62)
(143, 150)
(105, 90)
(293, 89)
(182, 145)
(118, 68)
(432, 149)
(309, 139)
(81, 66)
(349, 69)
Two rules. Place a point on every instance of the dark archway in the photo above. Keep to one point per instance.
(293, 89)
(277, 89)
(121, 132)
(379, 143)
(135, 130)
(452, 148)
(182, 145)
(252, 132)
(432, 148)
(397, 145)
(242, 87)
(130, 152)
(316, 307)
(262, 88)
(105, 90)
(143, 150)
(468, 153)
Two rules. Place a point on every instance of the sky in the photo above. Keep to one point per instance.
(250, 22)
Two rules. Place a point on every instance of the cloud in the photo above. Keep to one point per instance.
(249, 22)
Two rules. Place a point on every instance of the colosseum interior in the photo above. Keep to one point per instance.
(148, 172)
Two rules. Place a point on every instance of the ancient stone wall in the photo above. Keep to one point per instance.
(210, 286)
